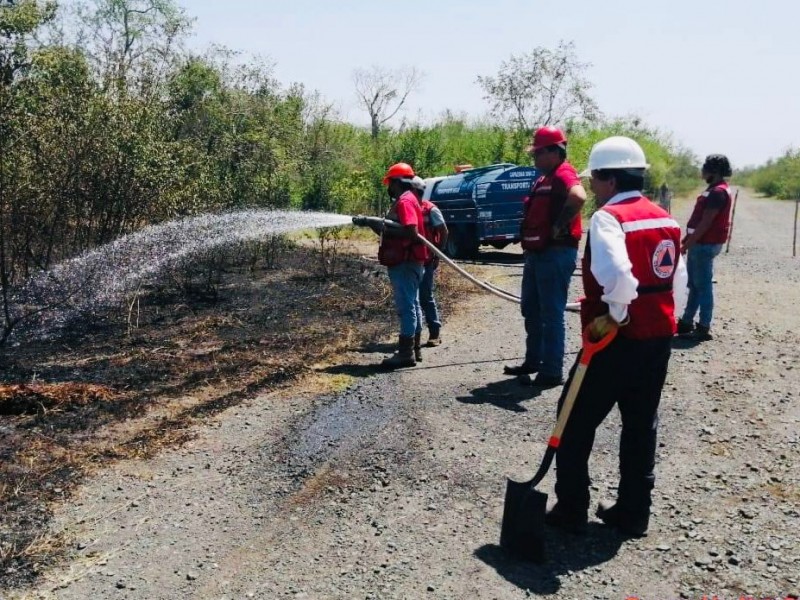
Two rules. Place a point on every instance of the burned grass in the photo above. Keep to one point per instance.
(127, 385)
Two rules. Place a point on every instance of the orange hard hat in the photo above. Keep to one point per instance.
(399, 171)
(547, 136)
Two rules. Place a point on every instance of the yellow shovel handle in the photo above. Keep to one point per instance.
(590, 348)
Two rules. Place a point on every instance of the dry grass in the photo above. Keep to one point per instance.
(33, 398)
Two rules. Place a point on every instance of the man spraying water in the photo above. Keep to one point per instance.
(404, 256)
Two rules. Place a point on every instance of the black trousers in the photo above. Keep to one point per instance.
(630, 374)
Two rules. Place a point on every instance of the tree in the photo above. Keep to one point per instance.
(18, 23)
(543, 87)
(133, 37)
(383, 92)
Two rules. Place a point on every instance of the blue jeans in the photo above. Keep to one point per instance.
(405, 279)
(426, 299)
(700, 266)
(545, 284)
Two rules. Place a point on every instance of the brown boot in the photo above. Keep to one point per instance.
(418, 347)
(404, 356)
(433, 338)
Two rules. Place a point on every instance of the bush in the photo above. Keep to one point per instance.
(779, 178)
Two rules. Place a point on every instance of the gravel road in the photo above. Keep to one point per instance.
(391, 485)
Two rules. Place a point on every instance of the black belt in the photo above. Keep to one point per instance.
(654, 289)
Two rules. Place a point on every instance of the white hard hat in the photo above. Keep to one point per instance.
(418, 182)
(616, 152)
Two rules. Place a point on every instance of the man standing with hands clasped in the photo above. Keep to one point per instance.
(551, 230)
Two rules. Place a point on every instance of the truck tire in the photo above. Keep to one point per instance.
(462, 243)
(452, 247)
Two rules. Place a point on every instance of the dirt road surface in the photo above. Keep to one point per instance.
(391, 485)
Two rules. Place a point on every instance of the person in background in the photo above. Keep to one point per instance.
(436, 233)
(706, 232)
(664, 197)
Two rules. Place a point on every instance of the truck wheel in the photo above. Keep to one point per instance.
(462, 243)
(452, 246)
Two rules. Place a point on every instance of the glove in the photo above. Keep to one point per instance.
(601, 326)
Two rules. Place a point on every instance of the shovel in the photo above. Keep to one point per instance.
(522, 532)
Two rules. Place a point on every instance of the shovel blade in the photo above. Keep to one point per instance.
(522, 531)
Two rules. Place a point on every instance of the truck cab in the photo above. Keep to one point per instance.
(481, 206)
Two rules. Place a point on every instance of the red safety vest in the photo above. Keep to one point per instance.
(720, 226)
(652, 238)
(543, 206)
(432, 234)
(394, 250)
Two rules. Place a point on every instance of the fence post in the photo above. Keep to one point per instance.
(733, 218)
(794, 239)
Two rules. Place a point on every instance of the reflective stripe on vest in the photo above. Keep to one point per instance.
(644, 224)
(652, 241)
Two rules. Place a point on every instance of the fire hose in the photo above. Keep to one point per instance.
(378, 224)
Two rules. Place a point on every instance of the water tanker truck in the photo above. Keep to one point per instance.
(481, 206)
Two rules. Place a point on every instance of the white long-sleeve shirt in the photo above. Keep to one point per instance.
(613, 269)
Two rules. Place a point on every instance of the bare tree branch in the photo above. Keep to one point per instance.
(132, 38)
(384, 92)
(543, 87)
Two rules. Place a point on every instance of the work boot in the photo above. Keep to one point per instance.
(418, 347)
(523, 369)
(702, 333)
(433, 337)
(685, 327)
(568, 520)
(612, 515)
(547, 381)
(404, 356)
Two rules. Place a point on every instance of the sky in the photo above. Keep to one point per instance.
(719, 75)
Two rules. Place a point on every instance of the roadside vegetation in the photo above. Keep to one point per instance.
(779, 178)
(110, 124)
